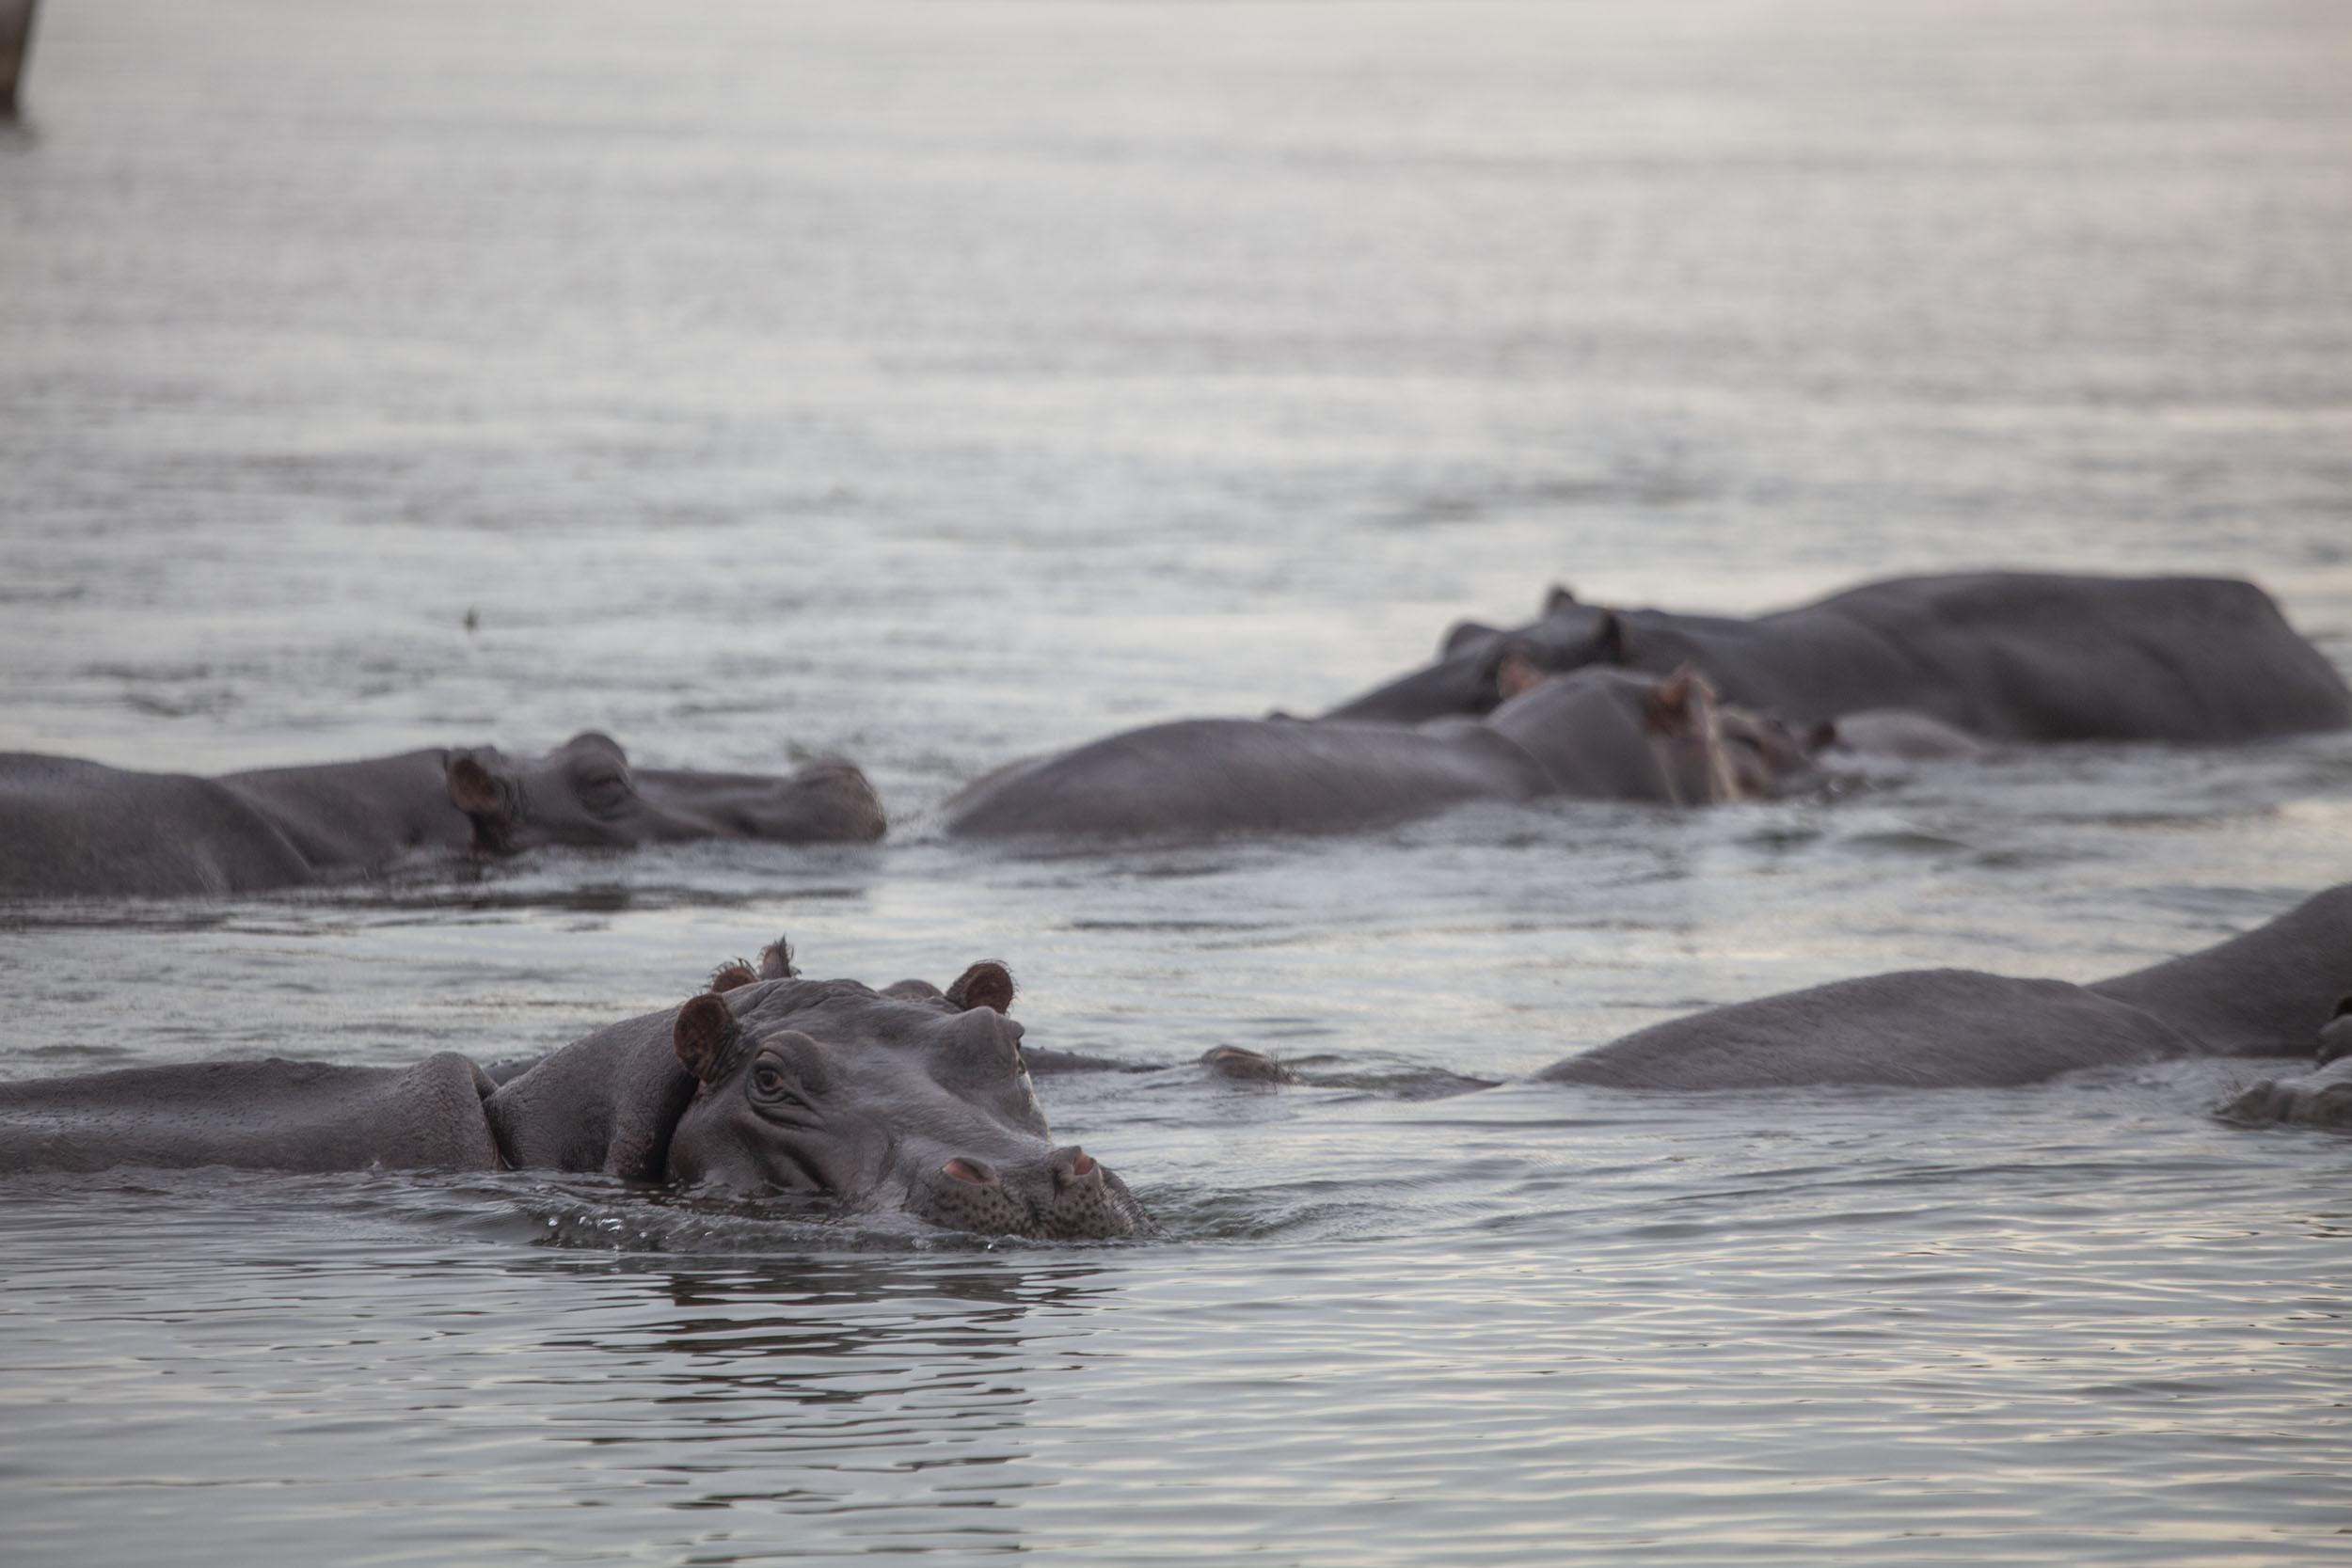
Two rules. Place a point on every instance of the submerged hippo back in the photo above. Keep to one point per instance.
(1239, 775)
(1928, 1028)
(75, 829)
(253, 1115)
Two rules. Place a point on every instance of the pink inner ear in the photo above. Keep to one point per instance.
(986, 984)
(1516, 674)
(703, 1026)
(472, 788)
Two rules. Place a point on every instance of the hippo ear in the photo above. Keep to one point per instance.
(1461, 634)
(775, 961)
(986, 984)
(1666, 706)
(1559, 598)
(705, 1028)
(1518, 671)
(729, 976)
(480, 785)
(1614, 644)
(1821, 737)
(2344, 1007)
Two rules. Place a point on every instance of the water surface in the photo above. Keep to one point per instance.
(933, 384)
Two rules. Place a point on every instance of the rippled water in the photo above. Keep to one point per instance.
(938, 384)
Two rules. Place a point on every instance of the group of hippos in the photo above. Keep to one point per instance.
(831, 1096)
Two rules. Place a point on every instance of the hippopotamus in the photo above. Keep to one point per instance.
(825, 1095)
(76, 828)
(2264, 993)
(2320, 1098)
(1592, 735)
(1997, 655)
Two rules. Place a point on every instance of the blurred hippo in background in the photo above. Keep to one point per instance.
(1994, 656)
(1897, 734)
(75, 829)
(823, 1095)
(2266, 994)
(1605, 734)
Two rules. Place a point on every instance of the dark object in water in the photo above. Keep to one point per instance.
(16, 47)
(824, 1094)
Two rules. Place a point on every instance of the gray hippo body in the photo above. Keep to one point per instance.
(2267, 992)
(1596, 734)
(822, 1092)
(1997, 655)
(76, 828)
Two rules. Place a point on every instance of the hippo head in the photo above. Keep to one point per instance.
(1763, 752)
(1481, 667)
(1686, 730)
(909, 1099)
(584, 793)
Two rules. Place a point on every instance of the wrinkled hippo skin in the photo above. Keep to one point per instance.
(1999, 656)
(1593, 735)
(75, 829)
(2266, 992)
(835, 1097)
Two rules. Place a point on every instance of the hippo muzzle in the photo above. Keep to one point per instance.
(1066, 1195)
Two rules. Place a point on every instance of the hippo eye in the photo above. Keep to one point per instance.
(604, 792)
(768, 1081)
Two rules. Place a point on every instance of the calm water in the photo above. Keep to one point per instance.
(934, 383)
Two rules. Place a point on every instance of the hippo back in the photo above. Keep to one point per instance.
(266, 1115)
(1921, 1028)
(76, 828)
(1239, 775)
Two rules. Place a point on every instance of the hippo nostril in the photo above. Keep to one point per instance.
(973, 1171)
(1074, 1167)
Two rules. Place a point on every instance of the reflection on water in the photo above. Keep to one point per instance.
(939, 385)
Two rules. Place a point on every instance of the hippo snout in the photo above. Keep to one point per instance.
(1067, 1195)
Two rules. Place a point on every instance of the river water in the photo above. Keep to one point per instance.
(936, 384)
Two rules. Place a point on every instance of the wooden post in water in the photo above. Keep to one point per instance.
(16, 43)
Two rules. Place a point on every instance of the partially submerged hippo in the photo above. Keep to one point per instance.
(2320, 1098)
(1997, 655)
(1594, 734)
(2264, 993)
(75, 829)
(822, 1092)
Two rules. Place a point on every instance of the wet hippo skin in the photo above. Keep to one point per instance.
(1593, 735)
(821, 1093)
(76, 828)
(1997, 655)
(2268, 993)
